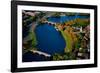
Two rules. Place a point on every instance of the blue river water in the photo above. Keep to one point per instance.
(62, 19)
(29, 57)
(49, 39)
